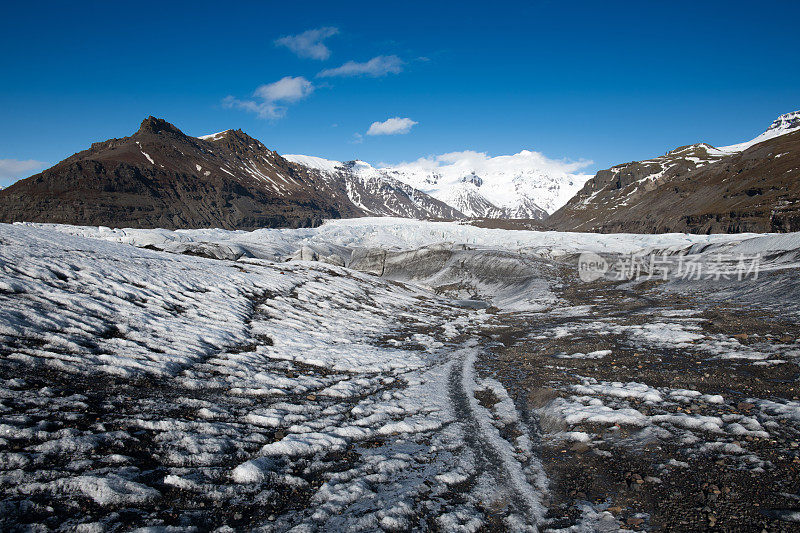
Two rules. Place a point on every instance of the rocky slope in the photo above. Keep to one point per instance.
(160, 177)
(751, 186)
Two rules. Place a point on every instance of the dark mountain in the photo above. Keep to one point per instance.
(160, 177)
(752, 186)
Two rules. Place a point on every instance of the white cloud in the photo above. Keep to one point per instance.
(15, 168)
(374, 68)
(391, 126)
(309, 43)
(286, 90)
(468, 161)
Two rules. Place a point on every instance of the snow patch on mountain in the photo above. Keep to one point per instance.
(317, 163)
(213, 136)
(786, 123)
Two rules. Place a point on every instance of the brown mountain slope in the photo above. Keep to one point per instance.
(694, 189)
(160, 177)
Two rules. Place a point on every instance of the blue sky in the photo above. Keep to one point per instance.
(608, 82)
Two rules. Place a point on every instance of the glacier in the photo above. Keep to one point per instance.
(215, 379)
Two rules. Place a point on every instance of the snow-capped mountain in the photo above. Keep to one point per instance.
(750, 186)
(377, 193)
(524, 185)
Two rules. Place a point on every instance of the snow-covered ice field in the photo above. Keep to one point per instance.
(197, 378)
(138, 378)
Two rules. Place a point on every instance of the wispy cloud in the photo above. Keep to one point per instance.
(309, 43)
(480, 162)
(16, 168)
(391, 126)
(374, 68)
(286, 90)
(263, 109)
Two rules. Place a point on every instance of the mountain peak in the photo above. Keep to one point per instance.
(157, 125)
(242, 136)
(235, 140)
(785, 122)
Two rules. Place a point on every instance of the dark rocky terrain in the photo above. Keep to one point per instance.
(695, 189)
(657, 480)
(160, 177)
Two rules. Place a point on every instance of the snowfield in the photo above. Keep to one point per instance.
(332, 378)
(390, 233)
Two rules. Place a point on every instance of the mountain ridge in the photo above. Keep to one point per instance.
(161, 177)
(521, 186)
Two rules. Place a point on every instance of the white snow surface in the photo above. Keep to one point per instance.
(392, 233)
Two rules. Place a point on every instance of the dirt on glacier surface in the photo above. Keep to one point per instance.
(197, 381)
(669, 411)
